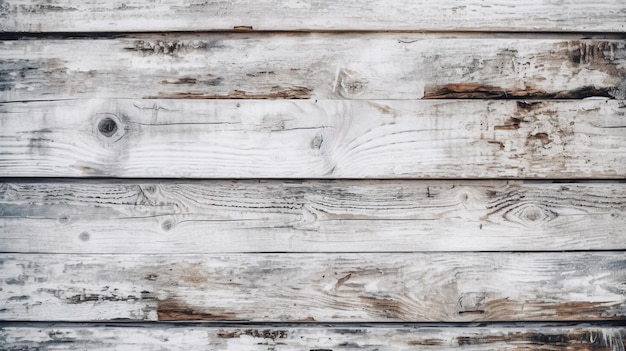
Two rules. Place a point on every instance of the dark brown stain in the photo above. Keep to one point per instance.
(512, 124)
(574, 340)
(542, 137)
(255, 333)
(193, 81)
(174, 310)
(426, 342)
(290, 93)
(186, 80)
(469, 312)
(528, 106)
(243, 28)
(479, 91)
(496, 142)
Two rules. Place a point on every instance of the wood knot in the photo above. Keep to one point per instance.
(84, 236)
(107, 127)
(351, 84)
(530, 215)
(167, 225)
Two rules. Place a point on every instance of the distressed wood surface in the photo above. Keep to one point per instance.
(422, 15)
(174, 217)
(438, 287)
(280, 338)
(317, 66)
(313, 139)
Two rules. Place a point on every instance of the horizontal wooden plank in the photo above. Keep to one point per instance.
(268, 338)
(441, 287)
(317, 66)
(178, 217)
(246, 15)
(313, 139)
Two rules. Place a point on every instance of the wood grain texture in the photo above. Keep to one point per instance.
(422, 15)
(313, 139)
(179, 217)
(317, 66)
(273, 338)
(345, 287)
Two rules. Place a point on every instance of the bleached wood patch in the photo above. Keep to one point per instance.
(313, 139)
(178, 217)
(422, 15)
(57, 337)
(347, 287)
(316, 66)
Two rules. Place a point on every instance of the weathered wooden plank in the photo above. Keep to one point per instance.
(280, 338)
(422, 15)
(443, 287)
(220, 216)
(319, 66)
(313, 139)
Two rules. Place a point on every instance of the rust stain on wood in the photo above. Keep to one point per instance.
(275, 93)
(171, 309)
(243, 28)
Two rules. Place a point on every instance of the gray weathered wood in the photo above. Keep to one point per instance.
(319, 66)
(282, 338)
(313, 139)
(178, 217)
(443, 287)
(168, 15)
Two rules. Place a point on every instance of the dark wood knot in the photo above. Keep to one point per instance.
(107, 127)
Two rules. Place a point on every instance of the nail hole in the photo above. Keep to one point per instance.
(107, 127)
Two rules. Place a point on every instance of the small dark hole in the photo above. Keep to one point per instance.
(107, 127)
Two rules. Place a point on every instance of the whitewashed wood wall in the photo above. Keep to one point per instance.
(312, 175)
